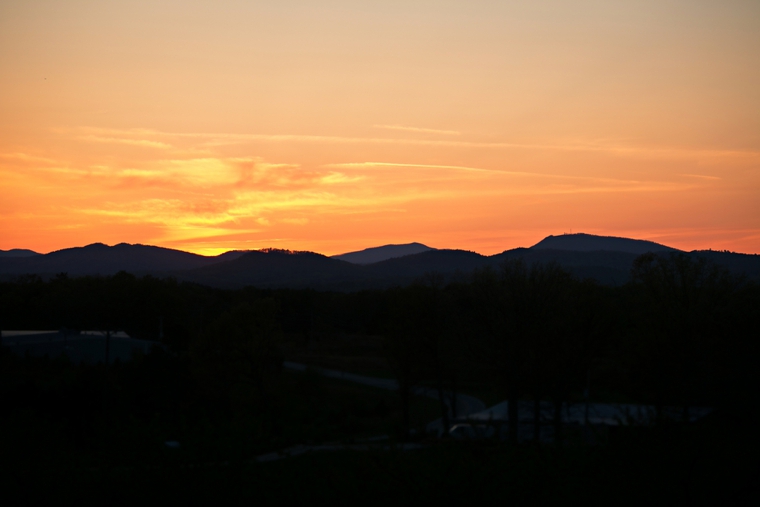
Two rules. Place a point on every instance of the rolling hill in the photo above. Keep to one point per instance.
(275, 268)
(100, 259)
(605, 259)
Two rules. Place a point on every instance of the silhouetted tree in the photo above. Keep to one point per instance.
(684, 301)
(418, 343)
(240, 349)
(500, 306)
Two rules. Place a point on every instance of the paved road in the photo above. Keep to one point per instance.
(465, 405)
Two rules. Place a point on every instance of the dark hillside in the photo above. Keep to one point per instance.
(381, 253)
(276, 268)
(100, 259)
(16, 253)
(736, 263)
(433, 261)
(614, 268)
(608, 268)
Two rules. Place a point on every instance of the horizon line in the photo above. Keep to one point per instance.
(223, 251)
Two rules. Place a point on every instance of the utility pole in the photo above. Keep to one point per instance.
(587, 396)
(108, 345)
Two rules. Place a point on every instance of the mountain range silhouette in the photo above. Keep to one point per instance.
(605, 259)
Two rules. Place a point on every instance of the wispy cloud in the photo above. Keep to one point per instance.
(418, 129)
(146, 143)
(614, 147)
(361, 165)
(494, 172)
(701, 176)
(168, 212)
(25, 157)
(295, 221)
(337, 178)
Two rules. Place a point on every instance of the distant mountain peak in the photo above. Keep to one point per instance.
(382, 253)
(582, 242)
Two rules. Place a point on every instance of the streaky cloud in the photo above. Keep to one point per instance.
(356, 165)
(360, 165)
(615, 148)
(418, 129)
(133, 142)
(701, 176)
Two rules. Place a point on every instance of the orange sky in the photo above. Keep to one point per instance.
(338, 125)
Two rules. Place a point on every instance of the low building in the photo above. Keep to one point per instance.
(88, 347)
(588, 420)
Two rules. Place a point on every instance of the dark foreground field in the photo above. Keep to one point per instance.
(710, 464)
(77, 433)
(189, 417)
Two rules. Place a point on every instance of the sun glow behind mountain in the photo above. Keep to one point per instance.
(333, 126)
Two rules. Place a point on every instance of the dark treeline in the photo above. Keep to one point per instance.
(682, 334)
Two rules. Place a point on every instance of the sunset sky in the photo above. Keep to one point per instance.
(338, 125)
